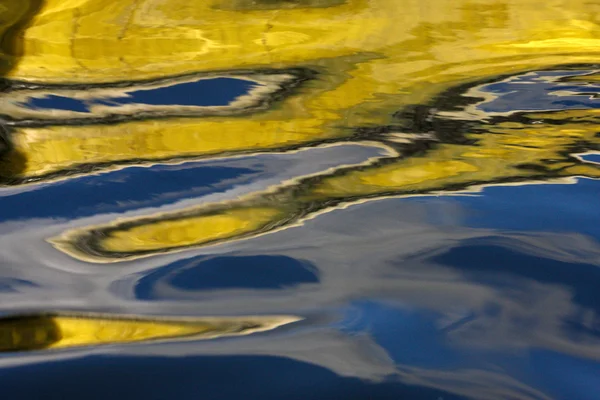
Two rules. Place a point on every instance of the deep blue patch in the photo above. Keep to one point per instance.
(482, 261)
(546, 207)
(566, 377)
(253, 272)
(241, 272)
(203, 92)
(200, 93)
(194, 377)
(594, 158)
(123, 190)
(409, 336)
(52, 102)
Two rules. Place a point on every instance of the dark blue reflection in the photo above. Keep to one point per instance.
(201, 93)
(533, 92)
(204, 92)
(56, 103)
(567, 377)
(501, 267)
(242, 272)
(409, 336)
(207, 378)
(124, 189)
(257, 272)
(420, 338)
(595, 158)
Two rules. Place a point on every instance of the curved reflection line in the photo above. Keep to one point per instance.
(472, 113)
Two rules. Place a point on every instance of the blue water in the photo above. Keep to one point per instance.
(199, 93)
(539, 91)
(524, 285)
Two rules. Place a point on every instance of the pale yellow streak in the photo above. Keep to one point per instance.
(559, 44)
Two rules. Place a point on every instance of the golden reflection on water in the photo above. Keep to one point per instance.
(381, 73)
(535, 145)
(36, 332)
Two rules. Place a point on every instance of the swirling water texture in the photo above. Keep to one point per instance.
(300, 199)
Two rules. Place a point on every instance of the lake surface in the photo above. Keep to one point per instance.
(300, 199)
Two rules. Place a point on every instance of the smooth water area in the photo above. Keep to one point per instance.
(300, 199)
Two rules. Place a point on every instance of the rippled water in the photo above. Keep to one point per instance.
(300, 199)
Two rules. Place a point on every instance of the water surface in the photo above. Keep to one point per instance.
(301, 199)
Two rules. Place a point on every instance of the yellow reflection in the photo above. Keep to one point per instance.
(186, 231)
(26, 333)
(372, 58)
(16, 15)
(274, 4)
(66, 151)
(506, 151)
(103, 40)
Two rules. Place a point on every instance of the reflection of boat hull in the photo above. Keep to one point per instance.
(55, 331)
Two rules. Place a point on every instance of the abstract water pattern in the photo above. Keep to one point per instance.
(176, 176)
(437, 149)
(35, 332)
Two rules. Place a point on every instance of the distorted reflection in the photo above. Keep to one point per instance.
(23, 333)
(449, 146)
(237, 93)
(408, 192)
